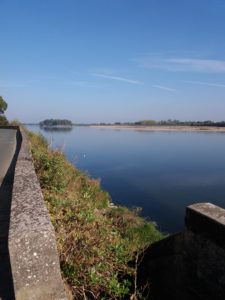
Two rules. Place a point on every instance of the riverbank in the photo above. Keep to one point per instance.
(162, 128)
(98, 243)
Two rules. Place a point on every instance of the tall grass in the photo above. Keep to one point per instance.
(96, 241)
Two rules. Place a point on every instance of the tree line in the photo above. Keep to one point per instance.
(168, 122)
(181, 123)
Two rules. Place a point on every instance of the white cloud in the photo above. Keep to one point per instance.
(163, 88)
(199, 65)
(117, 78)
(182, 64)
(206, 83)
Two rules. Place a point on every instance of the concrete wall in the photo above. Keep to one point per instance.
(188, 265)
(32, 246)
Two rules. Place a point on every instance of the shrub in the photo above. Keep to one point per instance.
(3, 120)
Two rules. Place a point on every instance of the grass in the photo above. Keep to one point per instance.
(96, 241)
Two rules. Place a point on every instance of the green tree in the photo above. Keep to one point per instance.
(3, 105)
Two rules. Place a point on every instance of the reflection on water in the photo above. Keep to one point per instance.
(58, 129)
(162, 172)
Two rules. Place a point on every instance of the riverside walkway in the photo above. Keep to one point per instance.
(8, 147)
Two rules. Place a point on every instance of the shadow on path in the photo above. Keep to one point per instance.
(6, 280)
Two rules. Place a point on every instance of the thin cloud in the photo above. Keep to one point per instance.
(178, 64)
(80, 84)
(199, 65)
(206, 83)
(118, 78)
(163, 88)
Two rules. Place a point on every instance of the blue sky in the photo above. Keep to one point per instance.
(113, 60)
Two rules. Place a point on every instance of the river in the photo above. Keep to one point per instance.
(161, 172)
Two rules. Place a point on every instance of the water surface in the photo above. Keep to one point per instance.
(162, 172)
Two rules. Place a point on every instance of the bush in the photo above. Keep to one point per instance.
(3, 120)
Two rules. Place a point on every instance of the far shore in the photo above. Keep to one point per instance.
(161, 128)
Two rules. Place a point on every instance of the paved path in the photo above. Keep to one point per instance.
(8, 145)
(7, 150)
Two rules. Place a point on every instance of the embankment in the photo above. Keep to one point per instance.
(96, 241)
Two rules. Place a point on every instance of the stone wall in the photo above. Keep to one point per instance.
(188, 265)
(32, 245)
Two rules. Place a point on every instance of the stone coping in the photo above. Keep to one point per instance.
(32, 244)
(207, 220)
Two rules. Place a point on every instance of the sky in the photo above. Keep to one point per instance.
(113, 60)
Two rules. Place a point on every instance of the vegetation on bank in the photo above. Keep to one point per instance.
(168, 122)
(175, 122)
(3, 107)
(3, 120)
(98, 243)
(56, 122)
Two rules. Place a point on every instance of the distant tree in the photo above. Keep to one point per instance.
(3, 105)
(146, 122)
(56, 122)
(3, 120)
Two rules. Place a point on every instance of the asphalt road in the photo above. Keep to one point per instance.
(7, 150)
